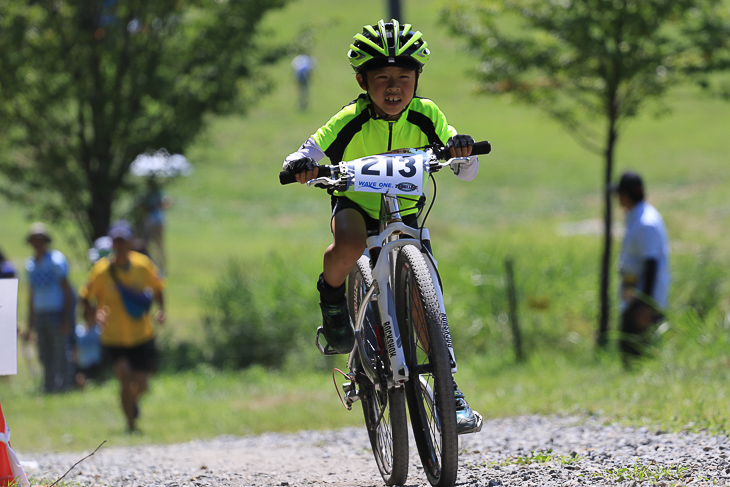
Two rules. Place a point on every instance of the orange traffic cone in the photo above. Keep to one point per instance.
(11, 473)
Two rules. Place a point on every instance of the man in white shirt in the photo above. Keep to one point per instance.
(643, 264)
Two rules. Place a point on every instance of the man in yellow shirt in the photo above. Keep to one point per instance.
(118, 295)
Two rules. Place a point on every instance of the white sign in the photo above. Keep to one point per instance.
(389, 173)
(8, 326)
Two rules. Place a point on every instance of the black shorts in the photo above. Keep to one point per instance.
(142, 358)
(94, 372)
(340, 203)
(633, 338)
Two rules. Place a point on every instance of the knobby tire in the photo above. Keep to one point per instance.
(430, 389)
(384, 410)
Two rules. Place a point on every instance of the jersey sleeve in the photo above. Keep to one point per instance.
(310, 148)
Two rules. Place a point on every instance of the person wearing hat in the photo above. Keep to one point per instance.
(118, 294)
(643, 265)
(50, 300)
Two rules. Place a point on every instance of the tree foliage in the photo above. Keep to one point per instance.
(87, 85)
(592, 65)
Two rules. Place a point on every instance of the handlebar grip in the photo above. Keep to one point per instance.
(481, 148)
(478, 149)
(288, 177)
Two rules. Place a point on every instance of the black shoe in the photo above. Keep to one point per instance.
(337, 327)
(467, 420)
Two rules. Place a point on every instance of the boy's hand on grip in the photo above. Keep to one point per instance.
(304, 169)
(460, 145)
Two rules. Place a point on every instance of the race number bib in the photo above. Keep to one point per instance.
(401, 174)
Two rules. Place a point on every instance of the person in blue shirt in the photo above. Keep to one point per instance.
(643, 265)
(50, 301)
(7, 270)
(151, 207)
(303, 64)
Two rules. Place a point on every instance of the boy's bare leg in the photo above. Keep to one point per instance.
(350, 234)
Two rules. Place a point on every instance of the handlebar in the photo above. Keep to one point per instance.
(478, 149)
(287, 177)
(440, 153)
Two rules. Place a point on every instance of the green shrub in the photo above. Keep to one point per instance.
(250, 318)
(178, 355)
(698, 282)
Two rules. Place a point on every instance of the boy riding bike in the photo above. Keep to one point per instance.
(388, 59)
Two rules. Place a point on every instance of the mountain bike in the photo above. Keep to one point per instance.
(402, 351)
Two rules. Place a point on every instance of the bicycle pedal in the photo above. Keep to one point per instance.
(326, 350)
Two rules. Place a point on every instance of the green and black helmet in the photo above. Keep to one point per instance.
(388, 45)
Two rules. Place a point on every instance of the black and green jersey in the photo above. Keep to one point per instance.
(355, 132)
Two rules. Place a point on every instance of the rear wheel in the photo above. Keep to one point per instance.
(384, 410)
(430, 388)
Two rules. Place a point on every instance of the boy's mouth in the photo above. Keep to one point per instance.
(393, 100)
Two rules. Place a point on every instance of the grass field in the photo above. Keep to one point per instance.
(536, 200)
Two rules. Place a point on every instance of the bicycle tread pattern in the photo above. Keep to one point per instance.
(433, 421)
(389, 434)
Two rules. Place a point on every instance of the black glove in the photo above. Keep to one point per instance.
(459, 141)
(300, 165)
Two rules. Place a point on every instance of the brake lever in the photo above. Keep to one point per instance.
(455, 162)
(323, 182)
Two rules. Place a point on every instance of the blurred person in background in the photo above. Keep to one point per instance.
(7, 269)
(118, 295)
(643, 265)
(150, 213)
(88, 356)
(303, 64)
(50, 308)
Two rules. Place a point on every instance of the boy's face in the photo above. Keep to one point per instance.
(391, 89)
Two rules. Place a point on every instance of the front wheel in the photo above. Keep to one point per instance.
(384, 409)
(430, 388)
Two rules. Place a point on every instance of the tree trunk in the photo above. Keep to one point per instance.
(605, 315)
(100, 211)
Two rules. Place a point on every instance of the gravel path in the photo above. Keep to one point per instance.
(584, 452)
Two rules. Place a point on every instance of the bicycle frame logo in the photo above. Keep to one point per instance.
(390, 340)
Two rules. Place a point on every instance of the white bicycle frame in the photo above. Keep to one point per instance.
(395, 235)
